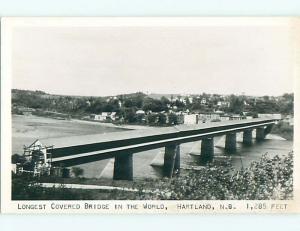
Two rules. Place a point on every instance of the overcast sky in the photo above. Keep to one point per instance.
(97, 61)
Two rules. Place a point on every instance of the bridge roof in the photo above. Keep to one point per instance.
(62, 142)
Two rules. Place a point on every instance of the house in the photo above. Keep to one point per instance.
(26, 110)
(112, 116)
(100, 117)
(223, 104)
(180, 117)
(209, 117)
(140, 112)
(224, 117)
(203, 101)
(104, 116)
(237, 117)
(191, 119)
(273, 116)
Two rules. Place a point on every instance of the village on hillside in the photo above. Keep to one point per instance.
(153, 109)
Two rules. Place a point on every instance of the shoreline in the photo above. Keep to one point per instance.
(125, 126)
(103, 124)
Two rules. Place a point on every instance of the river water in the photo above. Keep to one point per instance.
(145, 164)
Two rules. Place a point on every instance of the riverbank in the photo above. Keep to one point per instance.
(112, 125)
(284, 130)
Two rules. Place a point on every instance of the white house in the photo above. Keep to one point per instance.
(100, 117)
(203, 101)
(209, 116)
(104, 116)
(140, 112)
(273, 116)
(191, 119)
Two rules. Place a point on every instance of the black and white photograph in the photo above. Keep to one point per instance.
(149, 114)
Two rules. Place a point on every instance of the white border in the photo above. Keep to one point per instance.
(7, 25)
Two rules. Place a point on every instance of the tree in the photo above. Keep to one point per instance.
(97, 105)
(140, 118)
(236, 104)
(162, 119)
(180, 105)
(16, 158)
(77, 171)
(129, 115)
(271, 178)
(173, 119)
(165, 101)
(151, 118)
(154, 105)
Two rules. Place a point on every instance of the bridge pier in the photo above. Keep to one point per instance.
(171, 160)
(123, 167)
(207, 150)
(247, 137)
(260, 133)
(230, 142)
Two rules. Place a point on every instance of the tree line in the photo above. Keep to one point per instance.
(127, 105)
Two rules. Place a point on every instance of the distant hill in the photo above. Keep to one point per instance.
(158, 96)
(43, 94)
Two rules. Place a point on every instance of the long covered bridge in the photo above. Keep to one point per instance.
(75, 150)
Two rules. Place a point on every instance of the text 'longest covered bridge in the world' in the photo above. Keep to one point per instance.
(75, 150)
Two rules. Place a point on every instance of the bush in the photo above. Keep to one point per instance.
(271, 178)
(26, 187)
(268, 179)
(18, 159)
(151, 119)
(77, 171)
(173, 119)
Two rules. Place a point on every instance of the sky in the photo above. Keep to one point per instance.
(103, 60)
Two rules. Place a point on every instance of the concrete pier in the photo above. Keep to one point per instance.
(123, 167)
(247, 137)
(207, 150)
(260, 133)
(230, 142)
(171, 154)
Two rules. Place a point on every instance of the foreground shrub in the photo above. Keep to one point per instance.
(271, 178)
(267, 179)
(26, 187)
